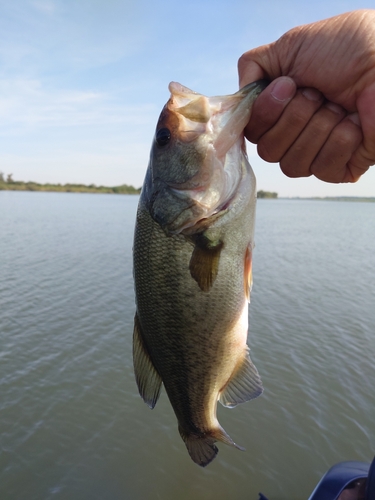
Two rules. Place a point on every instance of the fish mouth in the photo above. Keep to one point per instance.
(186, 204)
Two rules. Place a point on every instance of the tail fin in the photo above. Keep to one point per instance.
(201, 448)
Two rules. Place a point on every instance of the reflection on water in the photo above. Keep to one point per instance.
(72, 424)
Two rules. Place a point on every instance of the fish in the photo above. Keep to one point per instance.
(192, 264)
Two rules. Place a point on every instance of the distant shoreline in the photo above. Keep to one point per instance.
(67, 188)
(128, 189)
(366, 199)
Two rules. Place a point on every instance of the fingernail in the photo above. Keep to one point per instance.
(283, 90)
(312, 94)
(354, 117)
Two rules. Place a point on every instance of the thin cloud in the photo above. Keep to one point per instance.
(27, 102)
(45, 6)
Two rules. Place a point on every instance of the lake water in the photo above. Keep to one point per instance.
(72, 425)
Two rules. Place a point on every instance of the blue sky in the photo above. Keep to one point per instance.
(82, 82)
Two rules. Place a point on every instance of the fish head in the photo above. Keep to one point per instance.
(195, 165)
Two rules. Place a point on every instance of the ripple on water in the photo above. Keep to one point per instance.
(72, 423)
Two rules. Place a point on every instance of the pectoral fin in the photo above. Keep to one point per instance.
(204, 262)
(245, 384)
(147, 378)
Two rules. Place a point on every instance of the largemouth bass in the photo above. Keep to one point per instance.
(192, 264)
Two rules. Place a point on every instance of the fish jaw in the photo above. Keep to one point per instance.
(196, 172)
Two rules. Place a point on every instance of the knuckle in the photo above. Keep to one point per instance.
(267, 152)
(288, 170)
(342, 140)
(346, 135)
(330, 165)
(327, 172)
(297, 119)
(293, 168)
(322, 128)
(324, 163)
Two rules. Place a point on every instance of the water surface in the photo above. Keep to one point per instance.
(72, 425)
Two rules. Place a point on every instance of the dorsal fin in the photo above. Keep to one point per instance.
(244, 384)
(147, 378)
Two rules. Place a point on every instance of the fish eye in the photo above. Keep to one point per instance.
(163, 136)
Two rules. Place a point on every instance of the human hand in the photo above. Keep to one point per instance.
(317, 117)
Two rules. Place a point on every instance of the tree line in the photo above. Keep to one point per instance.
(8, 184)
(266, 194)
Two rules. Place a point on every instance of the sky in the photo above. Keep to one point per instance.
(82, 82)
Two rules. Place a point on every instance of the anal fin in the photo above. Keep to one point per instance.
(147, 378)
(245, 384)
